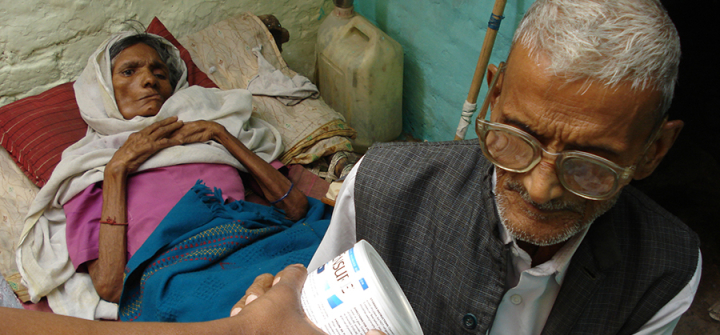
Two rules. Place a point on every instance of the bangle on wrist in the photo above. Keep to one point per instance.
(284, 196)
(112, 222)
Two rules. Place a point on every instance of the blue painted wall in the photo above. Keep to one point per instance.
(441, 41)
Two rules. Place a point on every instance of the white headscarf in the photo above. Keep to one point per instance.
(95, 95)
(42, 255)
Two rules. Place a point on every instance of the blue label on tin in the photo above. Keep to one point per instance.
(364, 284)
(334, 301)
(353, 261)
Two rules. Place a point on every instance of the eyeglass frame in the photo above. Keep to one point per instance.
(622, 174)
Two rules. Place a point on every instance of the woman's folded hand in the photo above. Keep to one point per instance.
(198, 131)
(142, 145)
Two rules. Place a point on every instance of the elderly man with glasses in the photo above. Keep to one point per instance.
(535, 230)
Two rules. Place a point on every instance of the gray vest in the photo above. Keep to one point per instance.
(429, 211)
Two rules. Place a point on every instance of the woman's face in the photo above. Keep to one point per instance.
(141, 81)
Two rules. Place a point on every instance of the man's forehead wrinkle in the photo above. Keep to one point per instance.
(552, 128)
(561, 123)
(584, 114)
(582, 134)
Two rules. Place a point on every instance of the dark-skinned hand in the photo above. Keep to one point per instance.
(143, 144)
(281, 295)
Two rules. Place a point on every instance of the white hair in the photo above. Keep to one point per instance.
(609, 41)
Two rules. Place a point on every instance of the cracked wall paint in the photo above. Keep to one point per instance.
(46, 43)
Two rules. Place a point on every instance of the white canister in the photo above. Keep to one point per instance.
(356, 292)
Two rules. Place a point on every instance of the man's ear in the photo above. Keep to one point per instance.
(668, 134)
(492, 71)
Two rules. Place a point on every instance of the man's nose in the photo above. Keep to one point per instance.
(542, 182)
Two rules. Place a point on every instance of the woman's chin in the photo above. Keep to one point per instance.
(146, 110)
(152, 108)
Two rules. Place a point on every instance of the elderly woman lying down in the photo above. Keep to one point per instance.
(150, 138)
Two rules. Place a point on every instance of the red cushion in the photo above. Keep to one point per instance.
(35, 130)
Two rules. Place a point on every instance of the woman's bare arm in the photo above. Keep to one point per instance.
(276, 309)
(107, 271)
(271, 181)
(276, 312)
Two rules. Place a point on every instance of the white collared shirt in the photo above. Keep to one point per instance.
(526, 306)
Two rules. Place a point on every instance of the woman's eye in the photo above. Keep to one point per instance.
(161, 76)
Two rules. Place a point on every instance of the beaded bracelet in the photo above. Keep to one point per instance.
(112, 222)
(284, 196)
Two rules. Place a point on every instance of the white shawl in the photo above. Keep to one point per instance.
(42, 254)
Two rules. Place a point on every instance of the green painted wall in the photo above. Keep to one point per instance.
(441, 41)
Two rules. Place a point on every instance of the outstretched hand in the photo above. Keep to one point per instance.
(273, 304)
(276, 310)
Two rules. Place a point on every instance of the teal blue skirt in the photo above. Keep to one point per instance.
(204, 254)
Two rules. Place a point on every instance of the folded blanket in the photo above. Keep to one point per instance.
(203, 256)
(274, 83)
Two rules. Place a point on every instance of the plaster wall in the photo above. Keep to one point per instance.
(441, 42)
(44, 43)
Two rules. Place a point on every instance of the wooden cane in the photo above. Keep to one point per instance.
(482, 63)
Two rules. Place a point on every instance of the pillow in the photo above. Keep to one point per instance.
(35, 130)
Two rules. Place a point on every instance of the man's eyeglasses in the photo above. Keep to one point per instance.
(584, 174)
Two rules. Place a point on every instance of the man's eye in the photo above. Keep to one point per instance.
(161, 76)
(127, 72)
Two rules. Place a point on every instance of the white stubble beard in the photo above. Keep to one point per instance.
(523, 235)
